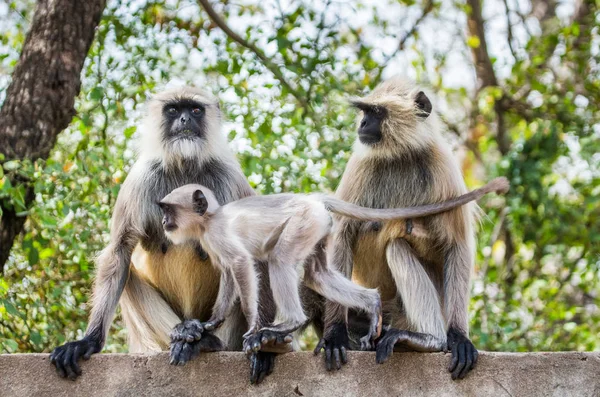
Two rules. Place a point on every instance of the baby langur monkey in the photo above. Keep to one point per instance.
(290, 232)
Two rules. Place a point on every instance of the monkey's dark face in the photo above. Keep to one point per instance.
(169, 220)
(183, 120)
(390, 119)
(183, 213)
(369, 130)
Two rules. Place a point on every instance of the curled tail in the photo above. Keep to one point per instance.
(499, 185)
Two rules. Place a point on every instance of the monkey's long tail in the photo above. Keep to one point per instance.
(499, 185)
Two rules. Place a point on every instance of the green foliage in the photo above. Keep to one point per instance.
(537, 276)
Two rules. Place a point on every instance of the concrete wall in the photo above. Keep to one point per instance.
(302, 374)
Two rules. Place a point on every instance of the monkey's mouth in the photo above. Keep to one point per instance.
(369, 139)
(186, 134)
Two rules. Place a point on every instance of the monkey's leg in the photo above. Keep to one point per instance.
(148, 317)
(457, 274)
(336, 288)
(113, 268)
(335, 339)
(419, 295)
(246, 285)
(415, 340)
(284, 284)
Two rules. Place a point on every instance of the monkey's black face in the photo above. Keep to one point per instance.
(369, 131)
(168, 221)
(184, 119)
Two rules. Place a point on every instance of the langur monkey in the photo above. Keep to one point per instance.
(287, 231)
(181, 143)
(400, 159)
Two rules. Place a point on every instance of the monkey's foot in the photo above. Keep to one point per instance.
(182, 351)
(254, 342)
(261, 365)
(336, 343)
(65, 357)
(464, 354)
(385, 344)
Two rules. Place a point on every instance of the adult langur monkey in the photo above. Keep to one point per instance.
(181, 143)
(400, 159)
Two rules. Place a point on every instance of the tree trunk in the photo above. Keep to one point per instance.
(39, 101)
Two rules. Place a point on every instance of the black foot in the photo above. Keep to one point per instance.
(386, 343)
(464, 354)
(336, 343)
(65, 357)
(261, 365)
(254, 342)
(182, 351)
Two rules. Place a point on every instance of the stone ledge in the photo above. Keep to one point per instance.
(302, 374)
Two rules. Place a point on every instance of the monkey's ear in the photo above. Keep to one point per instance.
(200, 202)
(424, 104)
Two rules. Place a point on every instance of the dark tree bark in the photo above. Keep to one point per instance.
(39, 101)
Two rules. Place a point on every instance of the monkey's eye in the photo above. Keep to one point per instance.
(196, 111)
(172, 111)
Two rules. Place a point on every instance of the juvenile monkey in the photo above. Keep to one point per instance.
(400, 159)
(287, 231)
(181, 143)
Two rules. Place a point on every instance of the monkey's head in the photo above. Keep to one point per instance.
(185, 212)
(396, 116)
(182, 122)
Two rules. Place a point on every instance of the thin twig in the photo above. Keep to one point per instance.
(427, 8)
(510, 31)
(270, 65)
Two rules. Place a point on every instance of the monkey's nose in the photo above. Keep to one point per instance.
(184, 119)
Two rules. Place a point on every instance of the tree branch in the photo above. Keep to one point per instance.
(427, 8)
(266, 61)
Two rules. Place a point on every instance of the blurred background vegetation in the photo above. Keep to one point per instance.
(516, 82)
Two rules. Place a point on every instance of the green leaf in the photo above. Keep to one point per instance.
(97, 93)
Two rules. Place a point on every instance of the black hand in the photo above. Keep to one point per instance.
(336, 343)
(464, 354)
(65, 357)
(187, 331)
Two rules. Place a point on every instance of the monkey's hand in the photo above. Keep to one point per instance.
(187, 331)
(261, 365)
(336, 343)
(191, 330)
(264, 338)
(65, 357)
(182, 351)
(464, 353)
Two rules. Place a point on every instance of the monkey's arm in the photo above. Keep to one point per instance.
(113, 270)
(335, 339)
(457, 274)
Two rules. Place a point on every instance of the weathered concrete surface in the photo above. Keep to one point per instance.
(302, 374)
